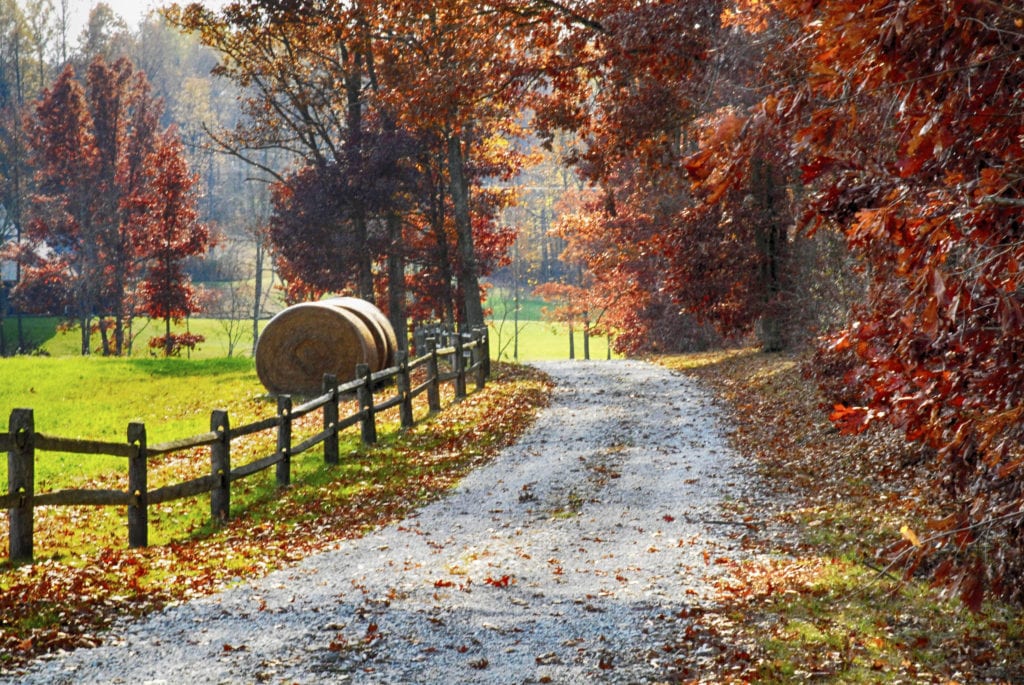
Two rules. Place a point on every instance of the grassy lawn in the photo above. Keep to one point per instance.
(502, 305)
(538, 340)
(96, 397)
(42, 334)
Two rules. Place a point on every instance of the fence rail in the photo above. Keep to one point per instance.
(468, 356)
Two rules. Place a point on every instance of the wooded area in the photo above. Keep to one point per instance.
(845, 174)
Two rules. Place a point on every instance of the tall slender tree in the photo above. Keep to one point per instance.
(63, 234)
(99, 156)
(172, 234)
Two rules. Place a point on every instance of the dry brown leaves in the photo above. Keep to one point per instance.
(831, 504)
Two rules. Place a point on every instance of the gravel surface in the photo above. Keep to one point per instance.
(568, 559)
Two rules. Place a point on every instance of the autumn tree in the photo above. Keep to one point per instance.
(15, 175)
(459, 71)
(105, 35)
(100, 160)
(173, 234)
(337, 87)
(308, 76)
(903, 122)
(62, 219)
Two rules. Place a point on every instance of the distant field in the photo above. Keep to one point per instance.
(538, 340)
(541, 340)
(501, 302)
(42, 333)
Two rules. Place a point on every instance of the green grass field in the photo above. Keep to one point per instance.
(500, 302)
(538, 339)
(96, 398)
(541, 340)
(42, 334)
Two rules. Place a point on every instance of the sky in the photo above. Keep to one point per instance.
(132, 11)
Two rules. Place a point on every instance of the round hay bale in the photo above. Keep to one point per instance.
(383, 332)
(306, 341)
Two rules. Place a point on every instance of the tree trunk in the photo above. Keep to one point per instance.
(396, 281)
(446, 298)
(104, 338)
(364, 278)
(469, 278)
(771, 239)
(259, 238)
(84, 322)
(353, 149)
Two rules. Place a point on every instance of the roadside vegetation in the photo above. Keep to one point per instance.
(830, 607)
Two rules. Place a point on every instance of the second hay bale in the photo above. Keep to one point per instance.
(380, 327)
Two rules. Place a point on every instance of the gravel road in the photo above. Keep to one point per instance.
(568, 559)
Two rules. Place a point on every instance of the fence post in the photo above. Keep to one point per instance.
(404, 390)
(21, 466)
(284, 440)
(220, 468)
(138, 512)
(365, 393)
(460, 369)
(331, 420)
(480, 353)
(487, 352)
(434, 373)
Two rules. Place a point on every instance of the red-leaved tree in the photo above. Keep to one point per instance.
(905, 123)
(107, 179)
(173, 234)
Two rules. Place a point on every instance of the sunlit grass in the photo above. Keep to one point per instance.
(42, 336)
(96, 398)
(542, 341)
(539, 340)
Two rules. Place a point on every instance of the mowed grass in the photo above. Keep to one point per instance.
(501, 303)
(539, 340)
(542, 341)
(96, 398)
(41, 335)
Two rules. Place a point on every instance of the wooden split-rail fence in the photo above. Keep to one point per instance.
(468, 359)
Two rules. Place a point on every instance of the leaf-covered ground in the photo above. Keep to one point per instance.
(829, 609)
(67, 602)
(825, 610)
